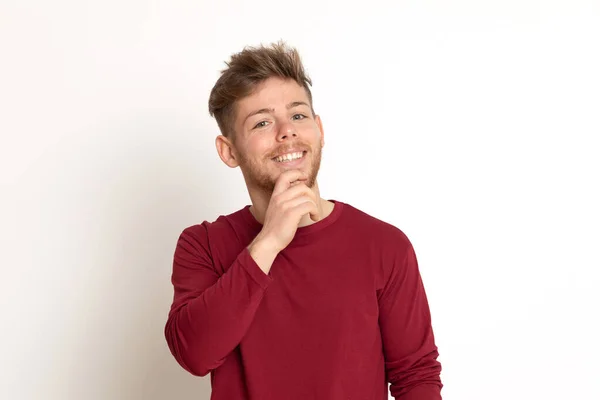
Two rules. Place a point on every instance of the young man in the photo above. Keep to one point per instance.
(294, 296)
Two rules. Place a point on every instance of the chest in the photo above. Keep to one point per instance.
(317, 289)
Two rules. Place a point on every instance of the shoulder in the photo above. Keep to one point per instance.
(224, 226)
(387, 247)
(373, 229)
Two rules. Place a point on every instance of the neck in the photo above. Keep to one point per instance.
(260, 203)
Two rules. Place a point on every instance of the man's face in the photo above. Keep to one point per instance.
(276, 120)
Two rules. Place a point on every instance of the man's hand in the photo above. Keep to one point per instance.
(290, 201)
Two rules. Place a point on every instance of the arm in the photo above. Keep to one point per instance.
(409, 348)
(210, 314)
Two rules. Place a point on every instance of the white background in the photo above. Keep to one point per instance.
(471, 125)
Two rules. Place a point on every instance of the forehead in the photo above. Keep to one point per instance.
(272, 93)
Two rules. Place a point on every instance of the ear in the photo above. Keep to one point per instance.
(226, 151)
(320, 125)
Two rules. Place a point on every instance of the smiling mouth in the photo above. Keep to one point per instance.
(289, 157)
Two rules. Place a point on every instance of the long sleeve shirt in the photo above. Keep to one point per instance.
(341, 314)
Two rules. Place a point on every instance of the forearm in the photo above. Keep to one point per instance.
(202, 330)
(263, 253)
(416, 377)
(426, 391)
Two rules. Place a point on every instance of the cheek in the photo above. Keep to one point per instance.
(259, 148)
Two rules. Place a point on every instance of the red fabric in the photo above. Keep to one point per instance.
(342, 312)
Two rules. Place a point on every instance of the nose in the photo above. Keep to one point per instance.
(286, 131)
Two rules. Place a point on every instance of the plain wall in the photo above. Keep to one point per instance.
(473, 126)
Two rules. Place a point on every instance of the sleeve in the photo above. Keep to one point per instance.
(210, 314)
(409, 347)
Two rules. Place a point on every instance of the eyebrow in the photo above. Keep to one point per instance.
(271, 110)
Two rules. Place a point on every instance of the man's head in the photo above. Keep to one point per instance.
(263, 106)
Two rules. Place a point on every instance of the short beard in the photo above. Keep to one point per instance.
(259, 179)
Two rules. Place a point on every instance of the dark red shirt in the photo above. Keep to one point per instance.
(342, 312)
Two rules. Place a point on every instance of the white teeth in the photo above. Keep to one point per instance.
(289, 157)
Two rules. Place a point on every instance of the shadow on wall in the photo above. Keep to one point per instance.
(134, 186)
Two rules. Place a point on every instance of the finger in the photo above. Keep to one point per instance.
(296, 190)
(309, 207)
(287, 178)
(301, 205)
(302, 197)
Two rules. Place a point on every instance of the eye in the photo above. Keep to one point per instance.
(302, 116)
(261, 124)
